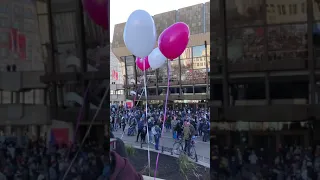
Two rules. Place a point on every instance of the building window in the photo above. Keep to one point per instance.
(286, 12)
(288, 42)
(162, 75)
(130, 69)
(246, 45)
(120, 92)
(244, 14)
(28, 97)
(198, 51)
(39, 96)
(174, 72)
(6, 97)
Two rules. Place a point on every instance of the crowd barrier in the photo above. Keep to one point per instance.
(170, 151)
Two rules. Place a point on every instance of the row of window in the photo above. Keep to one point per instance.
(252, 91)
(23, 25)
(280, 11)
(259, 126)
(189, 53)
(194, 65)
(117, 92)
(185, 90)
(248, 13)
(19, 10)
(283, 41)
(36, 96)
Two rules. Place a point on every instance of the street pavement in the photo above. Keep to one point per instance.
(202, 148)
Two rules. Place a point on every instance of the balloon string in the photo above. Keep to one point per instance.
(146, 95)
(132, 114)
(136, 105)
(165, 116)
(86, 134)
(80, 115)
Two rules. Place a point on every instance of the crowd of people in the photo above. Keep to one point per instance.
(287, 163)
(40, 161)
(181, 122)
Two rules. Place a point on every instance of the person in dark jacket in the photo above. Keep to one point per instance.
(140, 128)
(121, 169)
(120, 148)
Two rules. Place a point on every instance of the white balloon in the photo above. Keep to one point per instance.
(156, 59)
(140, 33)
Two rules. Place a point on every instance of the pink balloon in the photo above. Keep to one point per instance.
(174, 40)
(98, 11)
(140, 63)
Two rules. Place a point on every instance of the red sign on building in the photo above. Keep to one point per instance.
(18, 43)
(13, 40)
(22, 46)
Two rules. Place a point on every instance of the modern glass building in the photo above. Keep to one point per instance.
(189, 83)
(265, 72)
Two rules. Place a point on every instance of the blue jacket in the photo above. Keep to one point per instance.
(140, 125)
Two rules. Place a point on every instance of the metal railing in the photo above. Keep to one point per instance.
(170, 150)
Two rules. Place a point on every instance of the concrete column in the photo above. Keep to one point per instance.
(33, 131)
(7, 130)
(19, 135)
(43, 131)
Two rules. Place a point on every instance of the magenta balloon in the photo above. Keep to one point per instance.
(174, 40)
(140, 63)
(98, 11)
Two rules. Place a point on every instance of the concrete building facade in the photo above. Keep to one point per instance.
(38, 43)
(117, 95)
(265, 73)
(189, 72)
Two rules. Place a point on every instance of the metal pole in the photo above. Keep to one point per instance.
(225, 81)
(51, 55)
(81, 37)
(311, 63)
(207, 80)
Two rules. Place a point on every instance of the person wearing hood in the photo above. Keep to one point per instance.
(121, 168)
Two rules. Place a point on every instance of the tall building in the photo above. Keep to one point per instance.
(117, 95)
(188, 74)
(40, 69)
(265, 73)
(21, 64)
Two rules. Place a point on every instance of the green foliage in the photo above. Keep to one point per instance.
(187, 167)
(130, 150)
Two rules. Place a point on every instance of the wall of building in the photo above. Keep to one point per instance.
(187, 72)
(197, 17)
(20, 40)
(117, 95)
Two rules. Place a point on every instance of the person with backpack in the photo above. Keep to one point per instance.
(150, 124)
(187, 136)
(156, 131)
